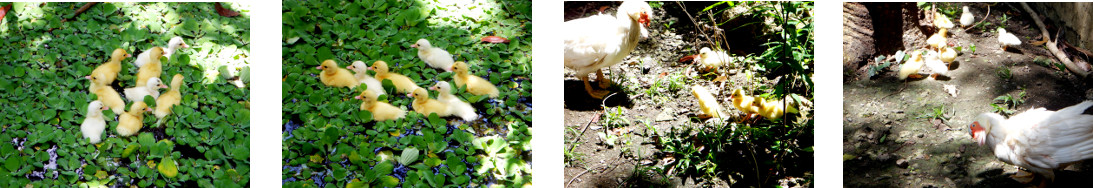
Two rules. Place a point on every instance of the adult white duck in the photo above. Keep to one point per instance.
(600, 41)
(1038, 140)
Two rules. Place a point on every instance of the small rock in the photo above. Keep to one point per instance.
(902, 163)
(666, 115)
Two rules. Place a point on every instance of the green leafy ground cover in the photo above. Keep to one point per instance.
(43, 96)
(329, 142)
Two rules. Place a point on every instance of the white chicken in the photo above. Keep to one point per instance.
(966, 18)
(172, 46)
(602, 40)
(708, 58)
(433, 56)
(362, 76)
(1038, 140)
(1007, 39)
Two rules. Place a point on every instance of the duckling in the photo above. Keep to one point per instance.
(106, 73)
(942, 21)
(707, 103)
(456, 106)
(935, 65)
(333, 75)
(708, 58)
(948, 55)
(381, 111)
(172, 46)
(109, 97)
(912, 66)
(939, 39)
(966, 18)
(425, 105)
(129, 123)
(475, 85)
(743, 102)
(362, 76)
(150, 88)
(94, 124)
(433, 56)
(169, 99)
(152, 69)
(1007, 39)
(402, 83)
(771, 109)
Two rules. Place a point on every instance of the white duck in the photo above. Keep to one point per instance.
(433, 56)
(1007, 39)
(362, 76)
(94, 124)
(172, 46)
(150, 88)
(456, 106)
(602, 40)
(966, 18)
(1038, 140)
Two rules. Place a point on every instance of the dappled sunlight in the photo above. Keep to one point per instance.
(475, 10)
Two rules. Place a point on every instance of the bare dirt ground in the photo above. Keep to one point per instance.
(888, 141)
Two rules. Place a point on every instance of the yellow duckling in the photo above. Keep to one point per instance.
(381, 111)
(333, 75)
(109, 97)
(456, 106)
(425, 105)
(129, 123)
(912, 66)
(942, 21)
(707, 103)
(152, 69)
(773, 109)
(169, 99)
(475, 85)
(948, 55)
(106, 73)
(743, 102)
(94, 124)
(939, 39)
(402, 83)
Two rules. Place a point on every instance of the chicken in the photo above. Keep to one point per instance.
(475, 85)
(94, 124)
(402, 83)
(424, 105)
(109, 97)
(433, 56)
(169, 99)
(1038, 140)
(707, 103)
(362, 76)
(456, 106)
(150, 88)
(600, 41)
(335, 76)
(381, 111)
(152, 69)
(106, 73)
(173, 45)
(966, 18)
(948, 54)
(129, 123)
(1007, 39)
(912, 66)
(708, 59)
(938, 40)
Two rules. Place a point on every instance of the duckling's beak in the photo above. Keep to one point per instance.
(162, 86)
(349, 67)
(357, 97)
(146, 109)
(319, 67)
(184, 45)
(370, 68)
(87, 77)
(128, 55)
(413, 45)
(103, 108)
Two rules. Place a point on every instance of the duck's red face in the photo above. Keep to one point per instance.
(644, 19)
(978, 132)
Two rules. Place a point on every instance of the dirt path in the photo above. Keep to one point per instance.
(888, 144)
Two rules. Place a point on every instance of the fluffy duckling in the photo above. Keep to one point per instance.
(402, 83)
(109, 97)
(381, 111)
(106, 73)
(152, 69)
(172, 46)
(475, 85)
(433, 56)
(333, 75)
(456, 106)
(130, 122)
(425, 105)
(942, 21)
(948, 54)
(743, 102)
(707, 103)
(771, 109)
(934, 63)
(169, 99)
(150, 88)
(362, 76)
(966, 18)
(1007, 39)
(708, 58)
(939, 39)
(912, 66)
(94, 124)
